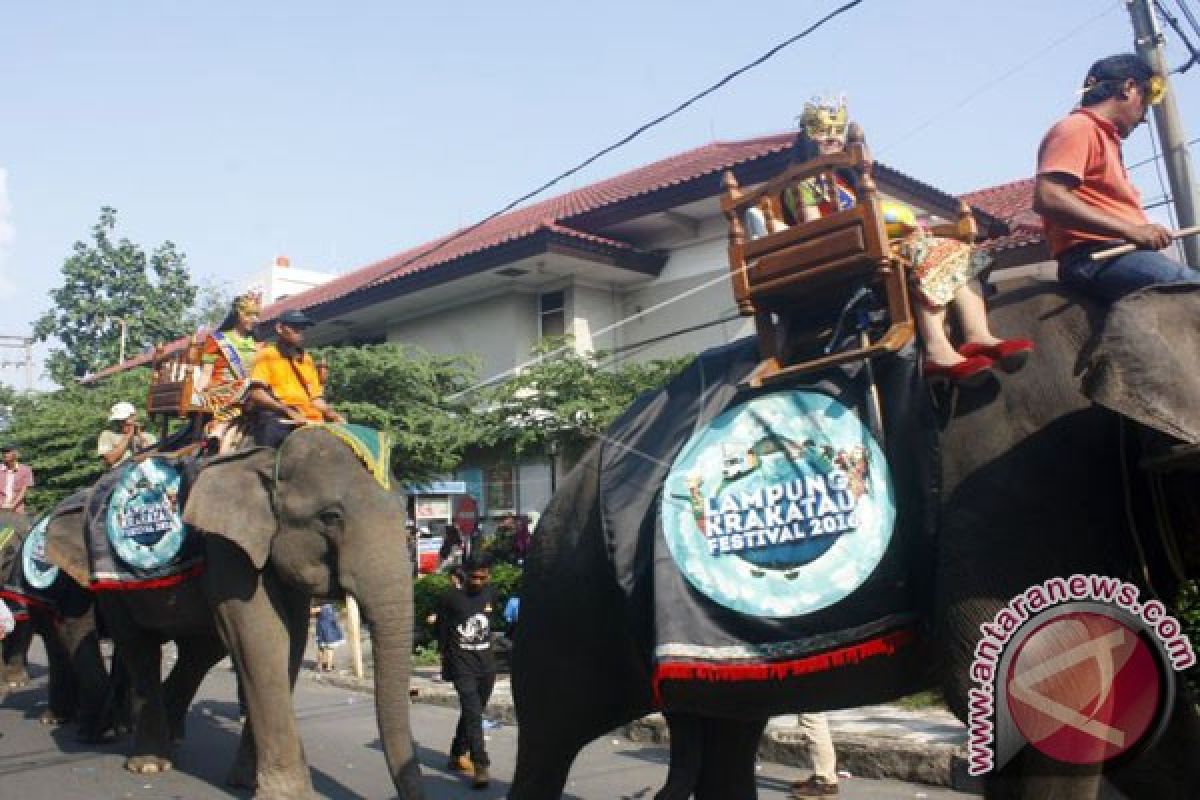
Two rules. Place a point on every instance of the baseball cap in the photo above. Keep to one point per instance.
(295, 318)
(121, 411)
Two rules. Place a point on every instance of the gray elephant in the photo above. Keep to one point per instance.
(281, 526)
(1033, 486)
(79, 685)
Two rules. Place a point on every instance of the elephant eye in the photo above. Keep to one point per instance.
(330, 517)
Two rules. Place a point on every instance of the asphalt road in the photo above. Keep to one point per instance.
(343, 750)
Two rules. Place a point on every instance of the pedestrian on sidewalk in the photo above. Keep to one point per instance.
(15, 480)
(814, 732)
(329, 637)
(470, 663)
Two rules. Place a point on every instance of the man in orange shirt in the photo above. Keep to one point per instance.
(1083, 191)
(285, 387)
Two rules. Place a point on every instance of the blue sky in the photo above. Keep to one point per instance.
(339, 134)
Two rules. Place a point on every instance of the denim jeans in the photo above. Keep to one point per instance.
(1113, 278)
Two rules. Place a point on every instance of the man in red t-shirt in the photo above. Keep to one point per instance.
(1083, 191)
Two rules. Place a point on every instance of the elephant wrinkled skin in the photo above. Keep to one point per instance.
(276, 535)
(1031, 489)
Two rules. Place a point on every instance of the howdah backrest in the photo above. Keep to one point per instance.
(783, 268)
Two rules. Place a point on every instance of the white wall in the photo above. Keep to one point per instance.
(692, 264)
(591, 309)
(499, 330)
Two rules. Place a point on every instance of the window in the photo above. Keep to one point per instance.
(552, 317)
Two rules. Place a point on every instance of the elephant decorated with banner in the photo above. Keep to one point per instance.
(227, 557)
(725, 555)
(52, 605)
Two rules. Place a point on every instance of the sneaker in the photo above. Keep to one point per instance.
(461, 764)
(813, 787)
(481, 778)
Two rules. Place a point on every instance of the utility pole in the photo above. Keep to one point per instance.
(1149, 41)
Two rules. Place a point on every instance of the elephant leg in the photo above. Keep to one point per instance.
(687, 742)
(15, 653)
(197, 655)
(729, 752)
(62, 688)
(253, 618)
(82, 643)
(141, 655)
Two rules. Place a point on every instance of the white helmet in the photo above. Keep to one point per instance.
(121, 411)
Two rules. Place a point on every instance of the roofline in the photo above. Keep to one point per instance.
(540, 242)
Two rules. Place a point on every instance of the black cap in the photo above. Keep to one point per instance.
(295, 318)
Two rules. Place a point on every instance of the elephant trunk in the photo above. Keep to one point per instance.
(384, 593)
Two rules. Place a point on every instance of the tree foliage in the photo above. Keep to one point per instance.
(566, 399)
(404, 390)
(57, 432)
(105, 280)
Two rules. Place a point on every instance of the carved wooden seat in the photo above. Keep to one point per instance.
(796, 280)
(175, 384)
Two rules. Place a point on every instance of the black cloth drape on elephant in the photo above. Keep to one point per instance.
(769, 530)
(135, 534)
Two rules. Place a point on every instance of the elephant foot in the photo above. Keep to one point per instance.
(49, 717)
(147, 765)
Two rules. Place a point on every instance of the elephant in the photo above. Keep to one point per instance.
(79, 686)
(1032, 486)
(280, 526)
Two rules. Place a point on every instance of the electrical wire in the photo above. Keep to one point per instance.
(1162, 183)
(987, 85)
(1157, 156)
(1174, 23)
(635, 133)
(1189, 15)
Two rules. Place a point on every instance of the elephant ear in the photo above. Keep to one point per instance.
(1145, 363)
(231, 498)
(65, 547)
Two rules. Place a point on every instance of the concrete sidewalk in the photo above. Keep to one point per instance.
(883, 741)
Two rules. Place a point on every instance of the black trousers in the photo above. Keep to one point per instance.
(473, 693)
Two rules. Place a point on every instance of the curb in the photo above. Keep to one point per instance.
(877, 757)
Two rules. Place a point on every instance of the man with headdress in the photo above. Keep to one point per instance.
(1083, 191)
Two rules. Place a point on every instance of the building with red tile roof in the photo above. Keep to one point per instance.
(583, 261)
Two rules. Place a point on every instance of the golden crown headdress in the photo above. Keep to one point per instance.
(825, 118)
(248, 303)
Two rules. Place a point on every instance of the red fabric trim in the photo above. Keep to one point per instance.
(885, 645)
(153, 583)
(20, 616)
(29, 601)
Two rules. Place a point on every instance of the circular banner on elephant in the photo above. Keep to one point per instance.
(144, 523)
(39, 573)
(781, 506)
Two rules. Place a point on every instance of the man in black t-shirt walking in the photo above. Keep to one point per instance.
(462, 617)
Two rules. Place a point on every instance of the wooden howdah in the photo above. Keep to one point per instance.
(795, 279)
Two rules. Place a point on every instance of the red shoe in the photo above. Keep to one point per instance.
(1009, 354)
(973, 371)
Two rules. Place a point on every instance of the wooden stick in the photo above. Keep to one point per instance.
(1122, 249)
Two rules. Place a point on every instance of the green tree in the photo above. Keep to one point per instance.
(213, 302)
(106, 280)
(57, 433)
(567, 398)
(404, 390)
